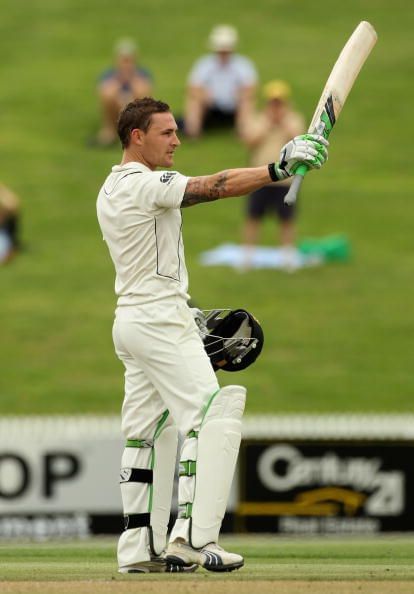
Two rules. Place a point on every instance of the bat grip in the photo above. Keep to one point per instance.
(291, 196)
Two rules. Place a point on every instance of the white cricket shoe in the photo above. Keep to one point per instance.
(211, 556)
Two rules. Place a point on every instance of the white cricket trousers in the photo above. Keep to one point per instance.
(166, 367)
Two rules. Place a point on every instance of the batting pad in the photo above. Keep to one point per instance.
(135, 495)
(165, 455)
(147, 478)
(187, 474)
(207, 466)
(133, 545)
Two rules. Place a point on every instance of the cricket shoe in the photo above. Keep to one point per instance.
(211, 556)
(158, 565)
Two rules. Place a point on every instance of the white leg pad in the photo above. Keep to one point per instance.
(133, 547)
(135, 496)
(165, 456)
(187, 481)
(138, 544)
(133, 544)
(218, 446)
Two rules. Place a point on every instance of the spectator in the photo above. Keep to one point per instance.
(221, 85)
(264, 133)
(118, 86)
(9, 224)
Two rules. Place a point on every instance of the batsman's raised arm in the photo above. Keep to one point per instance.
(231, 182)
(309, 149)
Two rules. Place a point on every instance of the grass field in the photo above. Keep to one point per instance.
(282, 565)
(338, 338)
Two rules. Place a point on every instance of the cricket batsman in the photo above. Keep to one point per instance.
(170, 382)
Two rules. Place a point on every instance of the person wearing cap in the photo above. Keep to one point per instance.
(263, 133)
(221, 85)
(119, 85)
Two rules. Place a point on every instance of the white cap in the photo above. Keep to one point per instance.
(125, 47)
(223, 38)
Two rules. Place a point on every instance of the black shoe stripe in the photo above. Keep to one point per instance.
(224, 568)
(212, 559)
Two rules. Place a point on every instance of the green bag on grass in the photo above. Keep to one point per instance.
(330, 248)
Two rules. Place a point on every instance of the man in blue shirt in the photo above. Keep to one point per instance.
(119, 85)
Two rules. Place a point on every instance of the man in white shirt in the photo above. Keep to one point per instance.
(170, 384)
(221, 85)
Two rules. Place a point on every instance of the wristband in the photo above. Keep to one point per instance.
(272, 172)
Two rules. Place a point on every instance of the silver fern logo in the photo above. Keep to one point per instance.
(167, 177)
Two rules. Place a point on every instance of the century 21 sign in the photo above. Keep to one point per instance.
(355, 482)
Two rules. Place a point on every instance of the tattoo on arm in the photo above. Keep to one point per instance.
(205, 189)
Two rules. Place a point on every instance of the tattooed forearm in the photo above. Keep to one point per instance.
(205, 189)
(231, 182)
(220, 185)
(191, 199)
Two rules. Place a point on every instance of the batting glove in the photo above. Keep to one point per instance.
(200, 321)
(307, 149)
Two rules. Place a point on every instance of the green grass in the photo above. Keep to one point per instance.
(266, 558)
(337, 338)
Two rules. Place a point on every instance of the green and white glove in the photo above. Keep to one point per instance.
(307, 149)
(200, 320)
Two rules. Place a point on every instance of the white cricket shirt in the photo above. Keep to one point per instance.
(140, 218)
(223, 79)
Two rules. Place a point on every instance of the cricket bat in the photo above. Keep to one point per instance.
(337, 88)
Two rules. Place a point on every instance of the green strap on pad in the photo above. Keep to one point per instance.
(188, 468)
(139, 443)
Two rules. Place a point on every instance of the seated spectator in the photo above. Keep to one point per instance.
(9, 224)
(264, 134)
(221, 85)
(118, 86)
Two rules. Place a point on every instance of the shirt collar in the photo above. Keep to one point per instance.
(134, 165)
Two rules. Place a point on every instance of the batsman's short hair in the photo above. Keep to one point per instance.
(137, 114)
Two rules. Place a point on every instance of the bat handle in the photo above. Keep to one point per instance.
(291, 196)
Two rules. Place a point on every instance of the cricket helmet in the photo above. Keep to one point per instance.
(234, 339)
